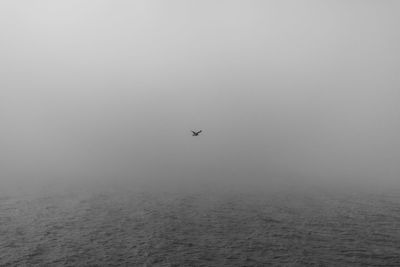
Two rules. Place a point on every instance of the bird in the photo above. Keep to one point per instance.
(196, 133)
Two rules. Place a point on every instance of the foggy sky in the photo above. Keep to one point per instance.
(280, 88)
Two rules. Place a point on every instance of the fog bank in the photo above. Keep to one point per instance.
(284, 91)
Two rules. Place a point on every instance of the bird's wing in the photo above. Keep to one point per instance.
(199, 131)
(193, 132)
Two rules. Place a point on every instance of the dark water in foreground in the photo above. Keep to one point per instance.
(230, 228)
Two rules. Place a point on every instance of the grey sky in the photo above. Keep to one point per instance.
(113, 88)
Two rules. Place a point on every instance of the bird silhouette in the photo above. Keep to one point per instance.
(196, 133)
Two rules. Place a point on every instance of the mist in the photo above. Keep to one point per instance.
(287, 91)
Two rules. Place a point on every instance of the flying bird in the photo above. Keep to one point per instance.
(196, 133)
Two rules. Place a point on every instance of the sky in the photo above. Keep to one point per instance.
(301, 89)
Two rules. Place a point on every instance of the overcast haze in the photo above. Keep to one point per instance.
(295, 89)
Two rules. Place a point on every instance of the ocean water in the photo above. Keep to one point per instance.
(144, 227)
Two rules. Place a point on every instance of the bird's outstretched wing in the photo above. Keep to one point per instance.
(199, 131)
(193, 132)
